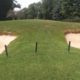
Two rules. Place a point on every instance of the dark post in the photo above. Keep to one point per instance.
(69, 46)
(6, 50)
(36, 47)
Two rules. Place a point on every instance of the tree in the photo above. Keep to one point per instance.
(70, 8)
(5, 5)
(38, 10)
(34, 10)
(56, 13)
(22, 14)
(47, 7)
(11, 14)
(31, 11)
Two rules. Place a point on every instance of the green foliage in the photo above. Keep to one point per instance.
(5, 5)
(34, 10)
(56, 13)
(22, 14)
(6, 9)
(46, 9)
(53, 9)
(47, 6)
(71, 8)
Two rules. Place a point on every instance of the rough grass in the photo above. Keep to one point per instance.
(51, 62)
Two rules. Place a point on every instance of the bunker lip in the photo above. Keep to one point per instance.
(69, 31)
(74, 37)
(5, 39)
(7, 33)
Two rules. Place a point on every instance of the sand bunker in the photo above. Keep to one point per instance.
(74, 38)
(5, 40)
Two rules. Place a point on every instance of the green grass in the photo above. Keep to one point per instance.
(51, 62)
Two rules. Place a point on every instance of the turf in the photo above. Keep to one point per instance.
(52, 60)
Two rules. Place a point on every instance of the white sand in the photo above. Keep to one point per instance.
(74, 38)
(5, 40)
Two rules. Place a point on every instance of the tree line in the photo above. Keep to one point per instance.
(52, 10)
(45, 9)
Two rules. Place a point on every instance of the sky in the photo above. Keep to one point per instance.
(25, 3)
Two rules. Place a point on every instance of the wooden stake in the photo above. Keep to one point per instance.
(69, 46)
(6, 50)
